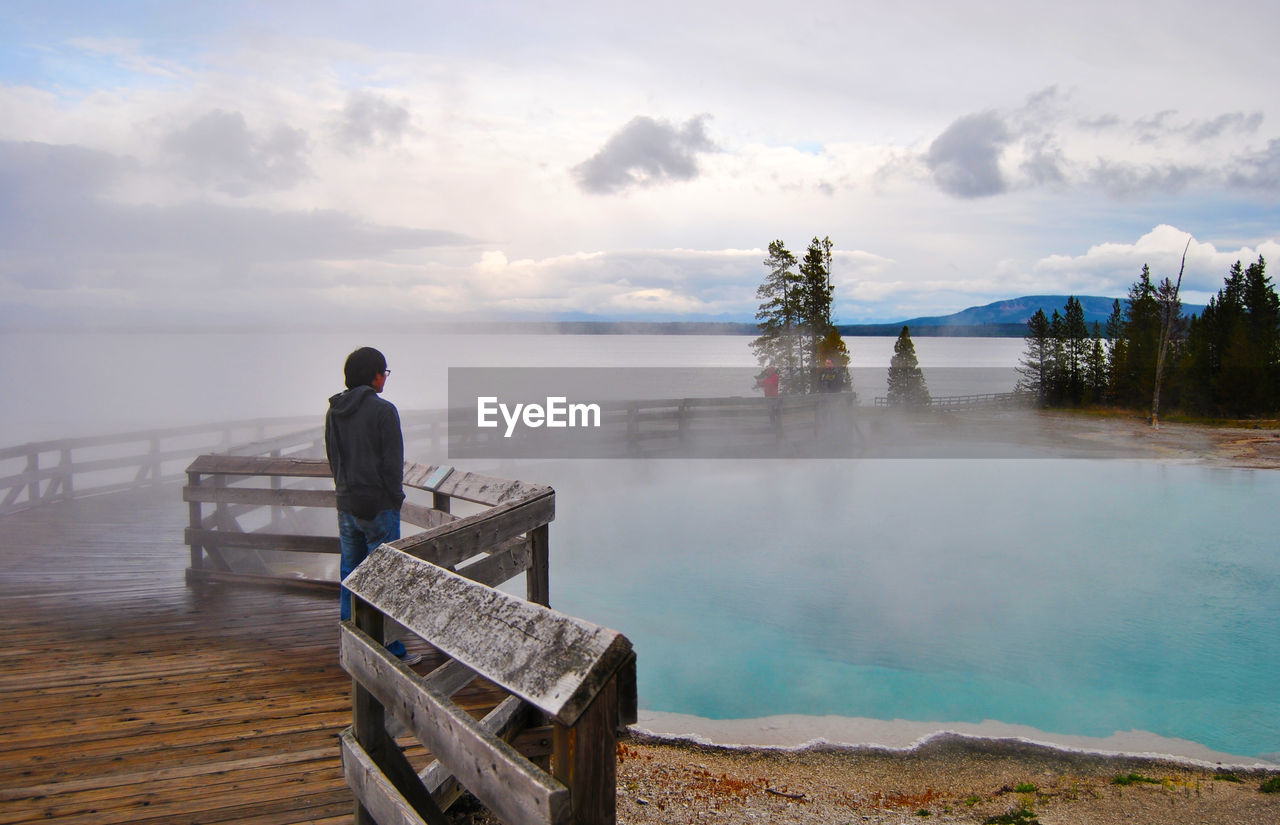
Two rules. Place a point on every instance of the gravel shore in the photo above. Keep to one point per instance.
(948, 779)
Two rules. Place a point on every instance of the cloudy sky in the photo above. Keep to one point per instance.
(328, 162)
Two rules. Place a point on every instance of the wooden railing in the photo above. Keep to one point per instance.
(706, 427)
(45, 471)
(653, 425)
(574, 679)
(983, 401)
(577, 676)
(242, 489)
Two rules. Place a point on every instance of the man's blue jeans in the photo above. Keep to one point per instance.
(357, 537)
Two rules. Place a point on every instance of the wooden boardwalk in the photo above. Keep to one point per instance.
(127, 697)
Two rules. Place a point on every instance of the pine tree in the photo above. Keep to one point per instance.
(1075, 351)
(1056, 391)
(1034, 368)
(1264, 333)
(1195, 373)
(1096, 368)
(779, 344)
(833, 347)
(815, 302)
(1172, 327)
(832, 344)
(1117, 351)
(907, 386)
(1142, 341)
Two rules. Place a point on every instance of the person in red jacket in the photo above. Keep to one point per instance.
(768, 381)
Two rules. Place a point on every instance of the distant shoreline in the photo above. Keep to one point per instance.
(535, 328)
(732, 328)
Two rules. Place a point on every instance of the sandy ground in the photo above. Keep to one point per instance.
(949, 779)
(1035, 434)
(1254, 445)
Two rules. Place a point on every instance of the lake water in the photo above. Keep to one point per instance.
(1073, 598)
(1079, 598)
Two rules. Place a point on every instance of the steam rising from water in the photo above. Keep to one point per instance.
(1073, 596)
(64, 384)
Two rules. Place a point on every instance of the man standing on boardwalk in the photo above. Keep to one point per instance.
(365, 447)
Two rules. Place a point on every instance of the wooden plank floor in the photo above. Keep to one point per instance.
(126, 697)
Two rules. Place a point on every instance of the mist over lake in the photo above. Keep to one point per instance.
(1076, 597)
(88, 383)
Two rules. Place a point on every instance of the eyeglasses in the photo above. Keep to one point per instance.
(386, 372)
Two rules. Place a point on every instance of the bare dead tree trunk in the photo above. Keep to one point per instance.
(1166, 326)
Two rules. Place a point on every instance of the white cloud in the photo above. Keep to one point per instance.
(965, 159)
(645, 152)
(1110, 268)
(220, 150)
(369, 119)
(458, 168)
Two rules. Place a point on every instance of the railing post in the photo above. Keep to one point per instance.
(68, 476)
(33, 486)
(584, 758)
(538, 579)
(368, 716)
(196, 520)
(277, 512)
(155, 459)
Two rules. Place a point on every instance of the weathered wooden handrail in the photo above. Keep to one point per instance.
(438, 585)
(45, 471)
(579, 676)
(968, 402)
(512, 532)
(56, 470)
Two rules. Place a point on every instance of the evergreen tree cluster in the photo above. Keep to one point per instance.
(797, 334)
(1231, 358)
(1224, 362)
(1065, 361)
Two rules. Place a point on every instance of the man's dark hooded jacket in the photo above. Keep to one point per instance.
(366, 452)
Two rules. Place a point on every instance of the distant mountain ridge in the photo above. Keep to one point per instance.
(1019, 311)
(1006, 318)
(1001, 319)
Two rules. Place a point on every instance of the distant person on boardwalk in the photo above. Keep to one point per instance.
(365, 447)
(829, 378)
(768, 381)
